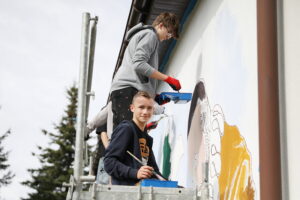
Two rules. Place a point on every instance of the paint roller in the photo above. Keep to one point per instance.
(176, 97)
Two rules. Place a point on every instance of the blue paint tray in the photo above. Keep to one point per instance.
(177, 97)
(158, 183)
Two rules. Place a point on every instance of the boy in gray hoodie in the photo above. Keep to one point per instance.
(139, 68)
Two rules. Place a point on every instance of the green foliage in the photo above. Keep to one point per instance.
(5, 174)
(56, 159)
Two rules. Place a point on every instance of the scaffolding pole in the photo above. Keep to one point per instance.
(91, 62)
(82, 101)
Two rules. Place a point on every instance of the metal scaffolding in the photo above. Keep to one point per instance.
(88, 40)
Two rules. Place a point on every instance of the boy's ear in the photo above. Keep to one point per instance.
(131, 107)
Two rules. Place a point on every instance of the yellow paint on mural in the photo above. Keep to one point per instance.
(235, 181)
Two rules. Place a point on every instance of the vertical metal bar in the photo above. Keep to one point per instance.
(91, 62)
(139, 197)
(268, 101)
(91, 166)
(282, 102)
(81, 111)
(94, 190)
(151, 193)
(205, 191)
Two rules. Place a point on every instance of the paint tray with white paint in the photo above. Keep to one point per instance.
(177, 97)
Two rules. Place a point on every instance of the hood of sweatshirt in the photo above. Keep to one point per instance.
(137, 28)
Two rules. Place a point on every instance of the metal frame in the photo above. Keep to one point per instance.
(88, 39)
(140, 193)
(282, 101)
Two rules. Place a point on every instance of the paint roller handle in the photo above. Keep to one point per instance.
(174, 83)
(161, 100)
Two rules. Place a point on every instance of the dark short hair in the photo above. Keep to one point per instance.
(141, 94)
(170, 21)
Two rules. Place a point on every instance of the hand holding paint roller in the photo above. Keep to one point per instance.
(174, 83)
(161, 101)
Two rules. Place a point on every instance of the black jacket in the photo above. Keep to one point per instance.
(118, 163)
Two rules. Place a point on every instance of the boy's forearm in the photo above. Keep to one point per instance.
(104, 138)
(99, 119)
(158, 75)
(119, 170)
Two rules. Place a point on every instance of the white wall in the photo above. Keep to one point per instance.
(218, 46)
(291, 59)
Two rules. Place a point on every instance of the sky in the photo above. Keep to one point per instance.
(39, 60)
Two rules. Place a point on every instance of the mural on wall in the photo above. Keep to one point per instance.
(211, 139)
(216, 58)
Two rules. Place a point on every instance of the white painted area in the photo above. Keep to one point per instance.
(218, 46)
(180, 127)
(291, 30)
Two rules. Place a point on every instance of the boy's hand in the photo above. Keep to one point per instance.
(160, 100)
(174, 83)
(145, 172)
(151, 125)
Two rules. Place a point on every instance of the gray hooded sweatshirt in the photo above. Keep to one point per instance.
(140, 60)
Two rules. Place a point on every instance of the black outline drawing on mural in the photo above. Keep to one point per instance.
(206, 146)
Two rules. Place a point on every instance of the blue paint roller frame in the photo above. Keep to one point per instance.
(177, 97)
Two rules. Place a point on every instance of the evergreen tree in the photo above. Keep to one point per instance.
(5, 174)
(56, 160)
